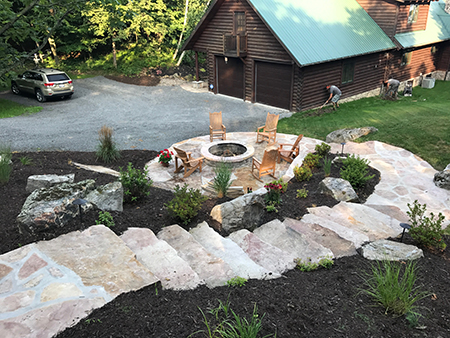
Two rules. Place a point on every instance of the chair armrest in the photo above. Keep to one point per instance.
(196, 159)
(257, 129)
(256, 160)
(281, 145)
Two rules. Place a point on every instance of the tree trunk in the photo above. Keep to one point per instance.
(114, 54)
(182, 31)
(52, 44)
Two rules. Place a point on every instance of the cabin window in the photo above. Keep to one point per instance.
(348, 71)
(239, 23)
(413, 13)
(406, 59)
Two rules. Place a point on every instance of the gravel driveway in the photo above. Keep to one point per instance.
(141, 117)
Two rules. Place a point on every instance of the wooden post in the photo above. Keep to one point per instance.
(196, 67)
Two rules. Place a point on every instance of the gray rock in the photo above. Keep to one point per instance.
(391, 251)
(107, 197)
(52, 207)
(46, 181)
(241, 213)
(339, 189)
(345, 135)
(442, 179)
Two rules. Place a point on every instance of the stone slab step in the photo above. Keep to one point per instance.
(324, 236)
(277, 234)
(263, 253)
(231, 253)
(390, 210)
(211, 269)
(354, 236)
(161, 259)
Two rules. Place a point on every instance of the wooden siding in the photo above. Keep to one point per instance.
(261, 43)
(369, 72)
(422, 61)
(402, 21)
(383, 12)
(444, 56)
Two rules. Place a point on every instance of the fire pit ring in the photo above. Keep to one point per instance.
(227, 151)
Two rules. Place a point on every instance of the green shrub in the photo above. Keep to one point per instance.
(271, 207)
(5, 164)
(302, 193)
(302, 173)
(311, 160)
(236, 281)
(106, 150)
(392, 285)
(324, 262)
(322, 149)
(222, 180)
(186, 204)
(427, 231)
(135, 183)
(356, 171)
(105, 218)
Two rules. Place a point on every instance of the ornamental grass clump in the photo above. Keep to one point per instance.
(355, 170)
(427, 231)
(5, 164)
(222, 180)
(135, 183)
(393, 285)
(186, 204)
(106, 150)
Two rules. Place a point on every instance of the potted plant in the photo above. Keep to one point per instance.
(165, 156)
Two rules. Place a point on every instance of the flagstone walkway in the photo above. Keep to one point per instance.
(50, 285)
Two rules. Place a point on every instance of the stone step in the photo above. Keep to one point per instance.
(390, 210)
(161, 259)
(211, 269)
(346, 218)
(286, 239)
(354, 236)
(324, 236)
(231, 253)
(263, 253)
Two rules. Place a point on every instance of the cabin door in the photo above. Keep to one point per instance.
(273, 84)
(230, 76)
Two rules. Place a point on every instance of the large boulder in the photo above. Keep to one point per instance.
(46, 181)
(52, 207)
(108, 197)
(345, 135)
(339, 189)
(442, 178)
(390, 251)
(241, 213)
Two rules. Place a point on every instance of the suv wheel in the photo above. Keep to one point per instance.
(15, 88)
(39, 96)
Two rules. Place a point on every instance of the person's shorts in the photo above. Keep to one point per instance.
(336, 98)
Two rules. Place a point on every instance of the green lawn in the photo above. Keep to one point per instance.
(420, 124)
(10, 109)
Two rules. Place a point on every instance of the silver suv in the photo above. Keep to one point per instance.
(43, 83)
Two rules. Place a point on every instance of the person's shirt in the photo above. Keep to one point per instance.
(335, 90)
(393, 82)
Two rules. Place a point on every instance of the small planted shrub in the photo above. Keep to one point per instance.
(427, 231)
(222, 180)
(326, 162)
(302, 173)
(5, 164)
(135, 183)
(236, 281)
(311, 160)
(105, 218)
(302, 193)
(106, 150)
(392, 284)
(355, 170)
(324, 262)
(186, 204)
(322, 149)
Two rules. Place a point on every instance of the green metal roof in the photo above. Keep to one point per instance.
(438, 28)
(315, 31)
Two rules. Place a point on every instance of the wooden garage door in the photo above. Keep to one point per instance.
(230, 77)
(273, 82)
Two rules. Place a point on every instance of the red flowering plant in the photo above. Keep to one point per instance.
(274, 191)
(165, 156)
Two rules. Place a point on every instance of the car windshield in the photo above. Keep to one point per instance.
(58, 77)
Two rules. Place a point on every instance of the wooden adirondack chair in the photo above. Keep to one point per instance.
(269, 130)
(268, 163)
(216, 128)
(188, 163)
(291, 151)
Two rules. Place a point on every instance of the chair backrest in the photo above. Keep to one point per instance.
(215, 120)
(270, 157)
(297, 141)
(181, 154)
(271, 121)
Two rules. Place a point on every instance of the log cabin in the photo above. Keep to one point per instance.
(283, 53)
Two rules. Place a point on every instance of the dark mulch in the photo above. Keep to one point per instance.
(324, 303)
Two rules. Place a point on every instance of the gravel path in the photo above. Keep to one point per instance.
(142, 117)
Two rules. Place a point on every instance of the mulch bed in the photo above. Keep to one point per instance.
(324, 303)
